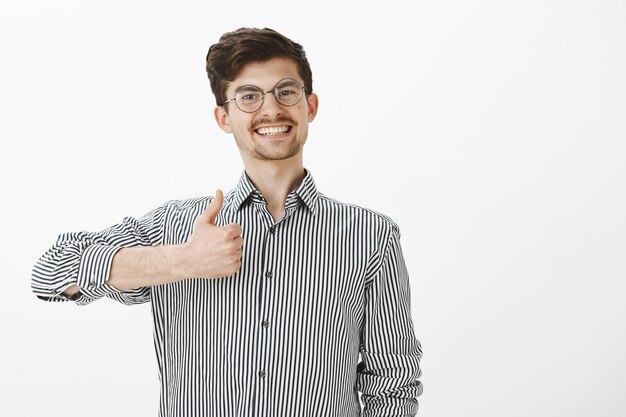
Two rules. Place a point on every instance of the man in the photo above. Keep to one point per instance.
(263, 299)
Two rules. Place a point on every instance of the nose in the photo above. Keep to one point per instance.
(270, 106)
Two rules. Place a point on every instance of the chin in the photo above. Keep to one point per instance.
(268, 155)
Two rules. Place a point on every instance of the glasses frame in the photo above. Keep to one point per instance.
(263, 93)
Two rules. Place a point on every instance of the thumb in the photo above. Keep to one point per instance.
(210, 213)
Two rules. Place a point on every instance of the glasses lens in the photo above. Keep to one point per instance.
(249, 98)
(288, 92)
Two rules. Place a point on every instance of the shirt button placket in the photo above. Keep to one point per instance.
(265, 344)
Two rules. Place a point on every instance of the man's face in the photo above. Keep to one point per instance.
(289, 123)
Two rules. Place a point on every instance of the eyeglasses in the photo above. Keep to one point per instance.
(250, 98)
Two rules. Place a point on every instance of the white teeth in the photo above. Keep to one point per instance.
(272, 130)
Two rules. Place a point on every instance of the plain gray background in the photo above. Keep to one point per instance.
(492, 132)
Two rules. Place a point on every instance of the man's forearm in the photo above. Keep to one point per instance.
(146, 266)
(143, 266)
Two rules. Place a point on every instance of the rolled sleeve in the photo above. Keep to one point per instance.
(388, 375)
(85, 259)
(94, 270)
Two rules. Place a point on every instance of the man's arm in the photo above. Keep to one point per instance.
(390, 367)
(137, 267)
(124, 260)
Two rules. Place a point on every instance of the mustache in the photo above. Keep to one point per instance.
(278, 119)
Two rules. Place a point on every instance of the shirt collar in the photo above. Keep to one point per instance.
(306, 192)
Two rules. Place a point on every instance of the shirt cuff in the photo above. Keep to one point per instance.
(94, 269)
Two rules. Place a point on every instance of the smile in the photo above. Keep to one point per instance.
(274, 130)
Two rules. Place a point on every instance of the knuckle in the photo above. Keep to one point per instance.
(235, 228)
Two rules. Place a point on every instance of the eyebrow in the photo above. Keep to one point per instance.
(247, 87)
(285, 81)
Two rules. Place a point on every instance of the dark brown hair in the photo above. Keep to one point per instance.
(245, 45)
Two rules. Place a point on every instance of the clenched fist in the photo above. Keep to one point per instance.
(213, 251)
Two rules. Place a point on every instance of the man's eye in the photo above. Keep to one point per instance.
(249, 96)
(287, 92)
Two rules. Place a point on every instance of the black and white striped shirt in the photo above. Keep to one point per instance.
(319, 311)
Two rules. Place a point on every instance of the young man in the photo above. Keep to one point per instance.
(263, 299)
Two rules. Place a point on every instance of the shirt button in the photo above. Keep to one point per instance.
(92, 284)
(268, 274)
(265, 323)
(262, 374)
(272, 229)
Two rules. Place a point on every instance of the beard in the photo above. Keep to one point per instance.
(275, 152)
(271, 151)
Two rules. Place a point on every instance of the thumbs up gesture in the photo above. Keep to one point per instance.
(212, 251)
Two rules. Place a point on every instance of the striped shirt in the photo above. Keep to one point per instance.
(318, 312)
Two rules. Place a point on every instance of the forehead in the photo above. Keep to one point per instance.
(265, 74)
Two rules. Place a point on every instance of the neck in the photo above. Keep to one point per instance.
(275, 180)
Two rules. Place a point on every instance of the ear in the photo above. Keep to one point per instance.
(222, 119)
(312, 103)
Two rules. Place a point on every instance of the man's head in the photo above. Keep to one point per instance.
(263, 87)
(236, 49)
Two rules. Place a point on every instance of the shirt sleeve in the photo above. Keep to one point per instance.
(388, 373)
(84, 258)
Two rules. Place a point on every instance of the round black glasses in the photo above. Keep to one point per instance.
(250, 98)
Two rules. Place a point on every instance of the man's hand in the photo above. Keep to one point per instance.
(212, 251)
